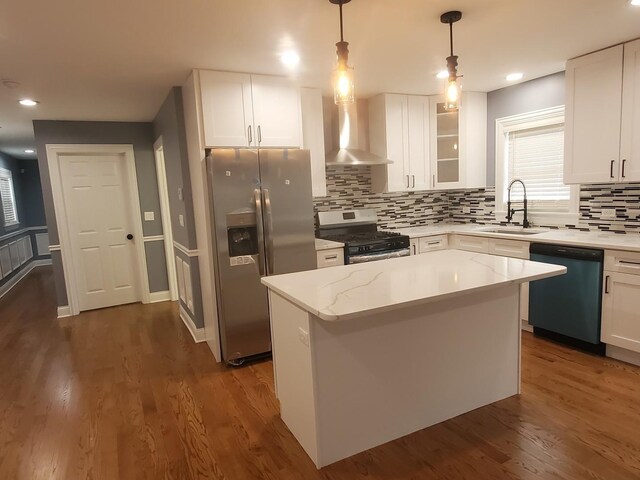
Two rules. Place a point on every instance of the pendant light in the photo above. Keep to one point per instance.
(452, 89)
(343, 88)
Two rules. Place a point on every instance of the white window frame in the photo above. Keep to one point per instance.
(535, 119)
(5, 173)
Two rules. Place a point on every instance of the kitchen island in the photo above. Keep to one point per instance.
(367, 353)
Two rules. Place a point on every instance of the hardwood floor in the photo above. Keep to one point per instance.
(124, 393)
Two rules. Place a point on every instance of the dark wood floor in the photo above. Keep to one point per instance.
(124, 393)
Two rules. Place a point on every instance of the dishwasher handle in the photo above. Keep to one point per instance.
(567, 252)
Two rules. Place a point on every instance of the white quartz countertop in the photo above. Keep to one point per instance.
(322, 244)
(603, 240)
(350, 291)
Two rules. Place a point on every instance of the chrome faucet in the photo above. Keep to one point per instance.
(511, 211)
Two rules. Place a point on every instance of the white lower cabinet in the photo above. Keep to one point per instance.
(620, 312)
(501, 247)
(428, 244)
(330, 258)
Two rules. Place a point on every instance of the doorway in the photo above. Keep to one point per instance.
(165, 212)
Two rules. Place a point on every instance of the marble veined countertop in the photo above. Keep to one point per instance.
(593, 239)
(350, 291)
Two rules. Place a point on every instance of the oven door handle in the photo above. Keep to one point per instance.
(372, 257)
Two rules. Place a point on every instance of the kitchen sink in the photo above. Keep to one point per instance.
(514, 231)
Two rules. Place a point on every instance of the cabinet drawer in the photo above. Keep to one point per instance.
(330, 258)
(624, 262)
(431, 244)
(470, 244)
(509, 248)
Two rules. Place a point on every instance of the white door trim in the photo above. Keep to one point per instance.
(53, 153)
(165, 212)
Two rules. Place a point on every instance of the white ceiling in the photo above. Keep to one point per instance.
(116, 60)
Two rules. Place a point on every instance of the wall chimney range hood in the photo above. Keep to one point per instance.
(349, 152)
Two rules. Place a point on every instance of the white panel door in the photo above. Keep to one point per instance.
(630, 140)
(96, 195)
(592, 117)
(418, 138)
(620, 316)
(227, 113)
(276, 111)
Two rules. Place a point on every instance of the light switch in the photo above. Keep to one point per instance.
(149, 216)
(180, 196)
(303, 335)
(181, 220)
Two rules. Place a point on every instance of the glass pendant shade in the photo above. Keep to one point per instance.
(343, 85)
(452, 95)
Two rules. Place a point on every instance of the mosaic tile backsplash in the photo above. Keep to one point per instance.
(349, 187)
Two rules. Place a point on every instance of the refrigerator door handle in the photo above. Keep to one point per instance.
(269, 231)
(260, 228)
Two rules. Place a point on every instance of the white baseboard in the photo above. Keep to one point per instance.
(623, 355)
(4, 289)
(155, 297)
(526, 326)
(64, 311)
(196, 333)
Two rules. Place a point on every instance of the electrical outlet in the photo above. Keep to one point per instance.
(633, 212)
(466, 209)
(149, 216)
(608, 213)
(181, 220)
(303, 335)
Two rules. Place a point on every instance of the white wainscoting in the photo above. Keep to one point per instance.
(21, 274)
(42, 243)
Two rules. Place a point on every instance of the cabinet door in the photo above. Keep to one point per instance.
(397, 142)
(469, 243)
(620, 316)
(509, 248)
(592, 117)
(418, 142)
(330, 258)
(630, 140)
(313, 137)
(445, 145)
(432, 244)
(276, 111)
(226, 109)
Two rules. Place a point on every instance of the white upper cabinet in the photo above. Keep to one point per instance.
(227, 112)
(399, 131)
(313, 137)
(459, 142)
(242, 110)
(630, 140)
(592, 117)
(276, 111)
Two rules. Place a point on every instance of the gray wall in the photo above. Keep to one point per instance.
(544, 92)
(169, 124)
(140, 135)
(31, 190)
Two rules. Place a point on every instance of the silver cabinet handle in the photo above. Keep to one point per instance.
(269, 230)
(331, 257)
(629, 262)
(623, 165)
(249, 135)
(606, 284)
(433, 181)
(611, 168)
(259, 134)
(413, 178)
(260, 227)
(407, 180)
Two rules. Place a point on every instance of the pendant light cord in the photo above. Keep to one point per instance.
(341, 32)
(450, 33)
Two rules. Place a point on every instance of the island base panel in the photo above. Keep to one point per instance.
(363, 382)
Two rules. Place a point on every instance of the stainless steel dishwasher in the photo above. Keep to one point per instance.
(568, 308)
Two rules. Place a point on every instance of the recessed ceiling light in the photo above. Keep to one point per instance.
(10, 83)
(290, 59)
(514, 77)
(28, 150)
(27, 102)
(443, 74)
(635, 3)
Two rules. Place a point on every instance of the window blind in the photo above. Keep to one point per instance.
(7, 198)
(536, 156)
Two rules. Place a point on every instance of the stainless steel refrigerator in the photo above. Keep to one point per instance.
(262, 210)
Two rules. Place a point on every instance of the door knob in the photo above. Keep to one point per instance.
(129, 237)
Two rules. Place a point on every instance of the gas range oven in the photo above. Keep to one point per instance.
(358, 230)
